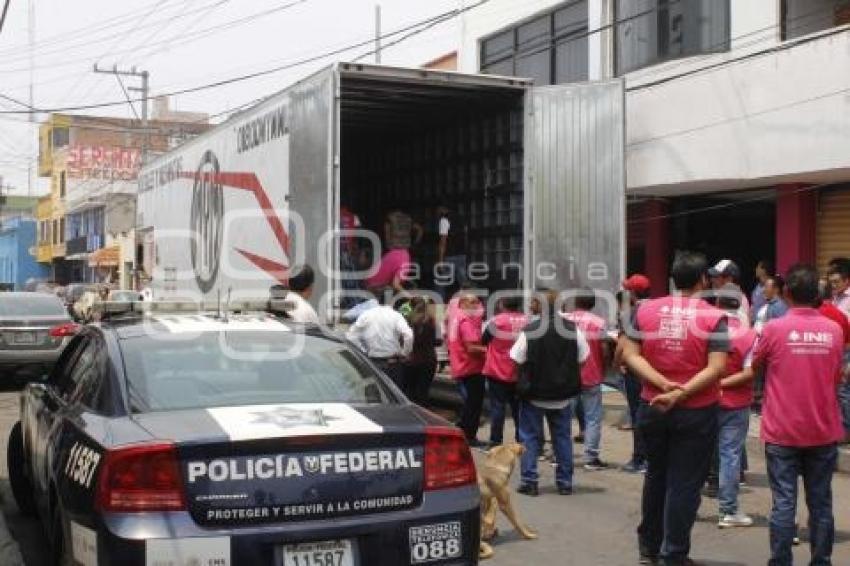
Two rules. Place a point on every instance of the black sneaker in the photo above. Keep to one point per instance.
(579, 439)
(475, 443)
(633, 467)
(565, 490)
(648, 559)
(529, 489)
(596, 465)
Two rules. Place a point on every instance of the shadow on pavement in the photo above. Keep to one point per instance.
(26, 531)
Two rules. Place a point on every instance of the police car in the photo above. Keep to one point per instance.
(218, 438)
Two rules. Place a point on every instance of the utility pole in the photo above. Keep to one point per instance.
(378, 34)
(31, 37)
(144, 90)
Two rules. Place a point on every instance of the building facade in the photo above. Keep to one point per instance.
(738, 115)
(86, 224)
(17, 264)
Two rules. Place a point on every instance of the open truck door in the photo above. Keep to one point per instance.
(574, 226)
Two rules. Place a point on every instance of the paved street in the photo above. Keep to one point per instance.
(594, 526)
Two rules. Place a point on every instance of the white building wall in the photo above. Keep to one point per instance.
(778, 117)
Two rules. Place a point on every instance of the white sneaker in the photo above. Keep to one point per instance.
(736, 520)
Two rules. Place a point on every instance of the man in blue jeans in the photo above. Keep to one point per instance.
(801, 355)
(549, 351)
(736, 396)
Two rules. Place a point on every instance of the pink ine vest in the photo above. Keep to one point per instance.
(742, 339)
(593, 370)
(462, 363)
(802, 352)
(498, 363)
(675, 332)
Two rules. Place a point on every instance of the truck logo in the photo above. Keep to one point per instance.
(206, 221)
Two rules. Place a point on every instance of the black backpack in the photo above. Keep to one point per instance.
(551, 371)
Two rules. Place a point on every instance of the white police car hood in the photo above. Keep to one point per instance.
(295, 462)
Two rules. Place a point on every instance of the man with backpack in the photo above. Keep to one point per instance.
(550, 352)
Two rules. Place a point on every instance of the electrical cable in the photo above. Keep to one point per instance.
(266, 72)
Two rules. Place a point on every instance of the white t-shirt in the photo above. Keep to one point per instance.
(302, 311)
(444, 227)
(519, 354)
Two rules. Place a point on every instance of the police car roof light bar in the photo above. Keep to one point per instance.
(108, 309)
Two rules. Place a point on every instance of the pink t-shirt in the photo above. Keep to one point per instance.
(593, 326)
(394, 265)
(801, 353)
(741, 339)
(504, 328)
(676, 338)
(463, 364)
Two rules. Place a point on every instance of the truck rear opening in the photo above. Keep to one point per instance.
(414, 145)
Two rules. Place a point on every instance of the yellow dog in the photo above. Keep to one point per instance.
(494, 476)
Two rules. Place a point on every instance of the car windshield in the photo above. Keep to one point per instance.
(224, 368)
(26, 305)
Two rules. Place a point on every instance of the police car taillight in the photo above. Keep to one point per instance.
(141, 477)
(63, 330)
(448, 460)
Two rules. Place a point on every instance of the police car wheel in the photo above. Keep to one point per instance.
(21, 486)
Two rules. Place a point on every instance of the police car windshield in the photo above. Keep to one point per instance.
(226, 368)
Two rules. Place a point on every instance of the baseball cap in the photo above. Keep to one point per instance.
(637, 283)
(725, 267)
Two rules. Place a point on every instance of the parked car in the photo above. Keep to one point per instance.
(124, 295)
(240, 439)
(34, 329)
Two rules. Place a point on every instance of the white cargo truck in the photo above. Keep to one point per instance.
(536, 173)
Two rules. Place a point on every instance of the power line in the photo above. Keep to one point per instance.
(436, 19)
(725, 205)
(3, 15)
(192, 37)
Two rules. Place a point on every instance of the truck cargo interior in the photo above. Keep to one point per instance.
(414, 146)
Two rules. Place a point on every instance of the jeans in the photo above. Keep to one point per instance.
(632, 387)
(451, 275)
(473, 386)
(784, 465)
(591, 402)
(418, 379)
(679, 444)
(732, 436)
(395, 371)
(844, 403)
(502, 394)
(531, 435)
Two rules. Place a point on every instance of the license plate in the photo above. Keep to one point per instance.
(23, 338)
(430, 543)
(327, 553)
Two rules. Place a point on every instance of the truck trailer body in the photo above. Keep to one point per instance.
(536, 173)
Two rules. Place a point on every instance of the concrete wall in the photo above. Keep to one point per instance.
(772, 118)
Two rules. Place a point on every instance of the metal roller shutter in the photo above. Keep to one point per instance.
(833, 227)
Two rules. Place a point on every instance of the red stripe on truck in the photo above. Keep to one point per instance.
(273, 268)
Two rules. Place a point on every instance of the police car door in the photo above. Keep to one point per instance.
(574, 185)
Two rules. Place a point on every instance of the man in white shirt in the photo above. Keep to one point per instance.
(385, 337)
(450, 269)
(298, 309)
(550, 352)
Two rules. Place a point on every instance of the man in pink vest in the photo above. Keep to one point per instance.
(736, 397)
(499, 369)
(677, 345)
(801, 421)
(592, 375)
